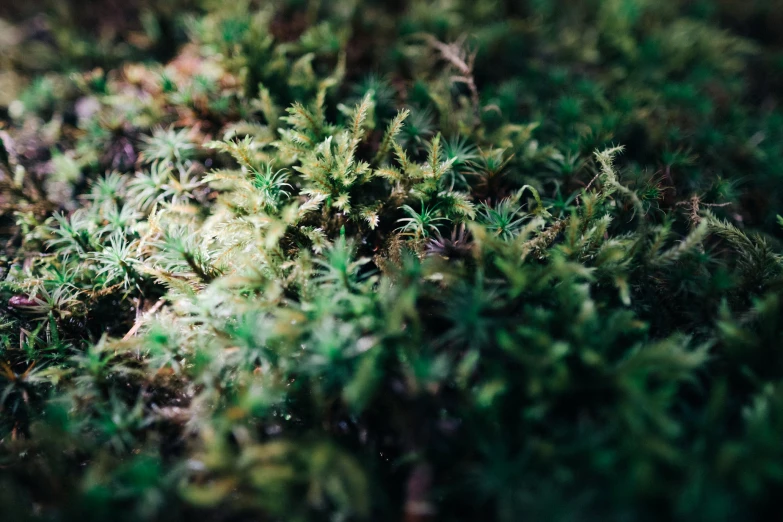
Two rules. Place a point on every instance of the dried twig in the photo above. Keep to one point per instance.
(140, 320)
(418, 499)
(694, 204)
(462, 60)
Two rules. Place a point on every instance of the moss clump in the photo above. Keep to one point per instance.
(443, 260)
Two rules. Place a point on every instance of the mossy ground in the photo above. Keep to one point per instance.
(424, 260)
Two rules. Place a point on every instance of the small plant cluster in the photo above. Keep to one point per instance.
(438, 260)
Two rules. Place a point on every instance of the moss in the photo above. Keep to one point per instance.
(432, 260)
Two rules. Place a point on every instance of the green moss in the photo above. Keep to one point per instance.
(355, 261)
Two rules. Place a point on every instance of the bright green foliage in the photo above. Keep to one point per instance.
(448, 260)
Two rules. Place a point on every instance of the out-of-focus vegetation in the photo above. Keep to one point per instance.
(423, 260)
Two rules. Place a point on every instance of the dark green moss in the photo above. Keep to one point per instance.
(304, 260)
